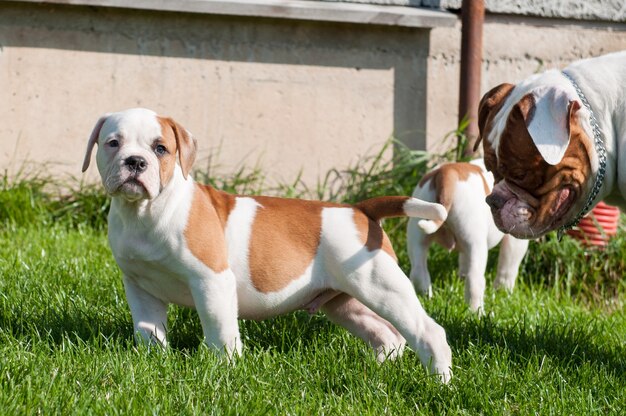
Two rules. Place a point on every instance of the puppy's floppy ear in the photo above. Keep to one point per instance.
(489, 105)
(186, 145)
(93, 139)
(548, 123)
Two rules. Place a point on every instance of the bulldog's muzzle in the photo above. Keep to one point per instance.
(495, 201)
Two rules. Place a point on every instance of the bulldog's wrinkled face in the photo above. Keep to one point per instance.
(137, 150)
(536, 144)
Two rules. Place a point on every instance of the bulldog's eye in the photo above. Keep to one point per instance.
(113, 143)
(518, 176)
(160, 150)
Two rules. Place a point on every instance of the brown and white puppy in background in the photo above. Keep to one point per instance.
(556, 144)
(252, 257)
(461, 188)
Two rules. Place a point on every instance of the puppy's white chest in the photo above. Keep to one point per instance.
(151, 262)
(130, 248)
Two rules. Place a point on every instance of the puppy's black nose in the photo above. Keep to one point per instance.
(495, 201)
(136, 164)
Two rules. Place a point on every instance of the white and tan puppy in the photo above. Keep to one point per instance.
(461, 188)
(556, 143)
(231, 256)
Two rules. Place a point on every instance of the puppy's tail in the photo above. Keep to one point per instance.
(433, 179)
(402, 206)
(430, 226)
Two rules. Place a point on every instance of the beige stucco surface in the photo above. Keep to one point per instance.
(285, 96)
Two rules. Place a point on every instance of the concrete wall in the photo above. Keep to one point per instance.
(514, 47)
(287, 96)
(282, 94)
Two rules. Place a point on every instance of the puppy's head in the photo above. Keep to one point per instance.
(137, 152)
(536, 141)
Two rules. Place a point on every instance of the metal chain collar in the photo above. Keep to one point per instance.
(600, 149)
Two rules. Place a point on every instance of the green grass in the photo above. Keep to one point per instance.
(555, 346)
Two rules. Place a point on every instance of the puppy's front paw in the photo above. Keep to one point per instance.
(230, 350)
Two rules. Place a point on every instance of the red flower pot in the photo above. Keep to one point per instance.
(598, 226)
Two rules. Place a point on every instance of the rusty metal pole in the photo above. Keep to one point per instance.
(472, 18)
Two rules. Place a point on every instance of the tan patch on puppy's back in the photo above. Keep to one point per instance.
(444, 179)
(204, 232)
(286, 235)
(222, 202)
(372, 235)
(167, 162)
(284, 239)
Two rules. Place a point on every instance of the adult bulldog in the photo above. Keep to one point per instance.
(254, 257)
(556, 144)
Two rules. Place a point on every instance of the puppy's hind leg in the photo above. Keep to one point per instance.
(362, 322)
(381, 285)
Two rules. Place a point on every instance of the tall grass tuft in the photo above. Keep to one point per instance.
(376, 175)
(594, 275)
(36, 200)
(23, 200)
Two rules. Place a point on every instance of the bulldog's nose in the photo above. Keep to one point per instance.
(495, 201)
(136, 164)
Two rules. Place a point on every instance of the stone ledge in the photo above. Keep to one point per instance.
(593, 10)
(285, 9)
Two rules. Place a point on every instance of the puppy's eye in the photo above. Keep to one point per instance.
(113, 143)
(160, 150)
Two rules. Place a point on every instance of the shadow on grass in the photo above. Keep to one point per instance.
(567, 343)
(280, 334)
(53, 326)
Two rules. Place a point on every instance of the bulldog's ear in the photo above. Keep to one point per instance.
(548, 121)
(489, 105)
(186, 145)
(93, 139)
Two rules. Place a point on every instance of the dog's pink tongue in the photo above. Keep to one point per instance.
(562, 197)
